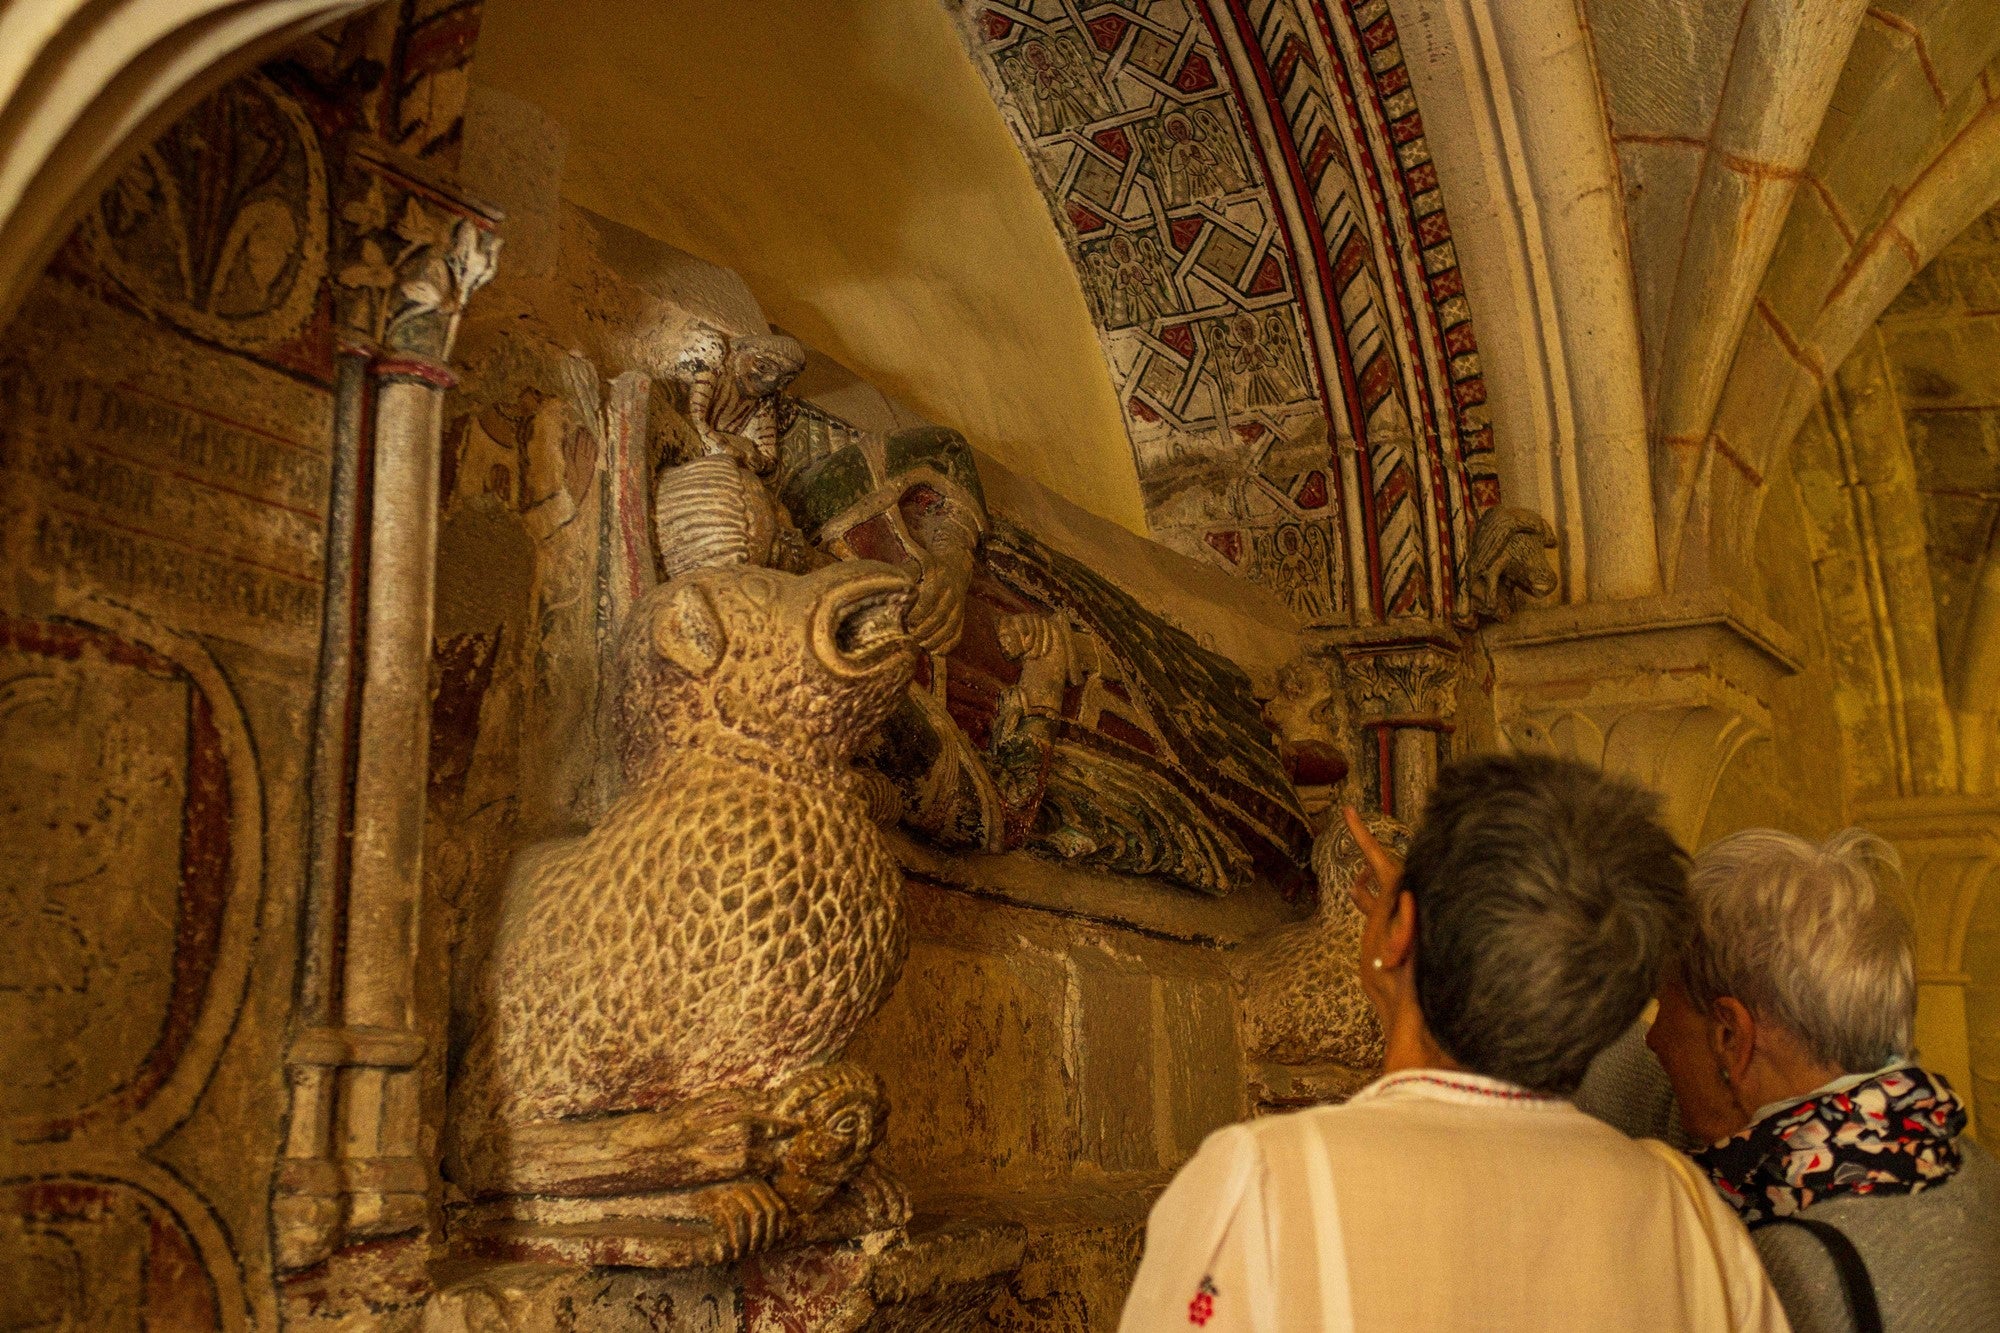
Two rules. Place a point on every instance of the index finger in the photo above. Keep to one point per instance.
(1388, 872)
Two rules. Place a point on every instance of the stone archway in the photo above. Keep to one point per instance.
(84, 86)
(1246, 193)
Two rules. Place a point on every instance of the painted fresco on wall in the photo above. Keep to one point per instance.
(219, 226)
(178, 474)
(1244, 189)
(132, 808)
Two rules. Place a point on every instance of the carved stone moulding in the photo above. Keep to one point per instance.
(1662, 690)
(1950, 850)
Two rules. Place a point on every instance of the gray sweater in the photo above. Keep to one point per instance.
(1934, 1256)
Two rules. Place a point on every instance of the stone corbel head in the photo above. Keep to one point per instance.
(1307, 712)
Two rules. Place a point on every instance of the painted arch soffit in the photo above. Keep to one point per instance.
(1245, 191)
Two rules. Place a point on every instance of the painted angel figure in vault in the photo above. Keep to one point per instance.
(1049, 711)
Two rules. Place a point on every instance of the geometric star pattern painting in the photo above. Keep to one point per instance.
(1244, 188)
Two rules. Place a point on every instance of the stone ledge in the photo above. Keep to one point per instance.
(1675, 617)
(1662, 690)
(1147, 906)
(941, 1273)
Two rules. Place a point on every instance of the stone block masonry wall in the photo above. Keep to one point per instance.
(1054, 1070)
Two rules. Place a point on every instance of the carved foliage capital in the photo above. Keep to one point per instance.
(1402, 682)
(410, 260)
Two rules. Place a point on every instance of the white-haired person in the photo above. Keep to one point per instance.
(1785, 1026)
(1462, 1190)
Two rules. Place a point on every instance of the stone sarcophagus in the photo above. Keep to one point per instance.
(1049, 712)
(652, 1072)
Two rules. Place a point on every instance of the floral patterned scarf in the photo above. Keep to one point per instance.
(1891, 1134)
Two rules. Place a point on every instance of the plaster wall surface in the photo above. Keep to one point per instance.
(850, 164)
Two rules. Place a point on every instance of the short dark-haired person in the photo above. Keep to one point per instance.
(1462, 1190)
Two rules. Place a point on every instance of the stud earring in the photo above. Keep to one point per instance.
(1724, 1073)
(1378, 964)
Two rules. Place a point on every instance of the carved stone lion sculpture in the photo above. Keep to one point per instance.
(652, 1069)
(1507, 564)
(1302, 1002)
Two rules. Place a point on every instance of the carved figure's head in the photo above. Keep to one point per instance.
(1307, 713)
(766, 363)
(1528, 570)
(810, 663)
(1508, 562)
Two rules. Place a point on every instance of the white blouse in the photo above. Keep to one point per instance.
(1448, 1201)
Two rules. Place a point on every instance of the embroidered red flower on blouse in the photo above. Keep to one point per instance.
(1202, 1308)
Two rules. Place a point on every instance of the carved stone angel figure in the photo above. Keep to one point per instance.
(1048, 710)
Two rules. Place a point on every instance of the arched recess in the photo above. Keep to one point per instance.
(86, 85)
(1898, 465)
(1246, 190)
(1858, 488)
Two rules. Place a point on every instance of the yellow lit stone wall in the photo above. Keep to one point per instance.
(1897, 475)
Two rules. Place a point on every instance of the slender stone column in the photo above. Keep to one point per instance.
(354, 1166)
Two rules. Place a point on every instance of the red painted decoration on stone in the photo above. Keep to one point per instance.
(1114, 142)
(1312, 495)
(1180, 337)
(997, 25)
(1229, 543)
(1143, 412)
(1183, 231)
(1107, 30)
(1318, 156)
(1270, 277)
(1083, 219)
(1196, 75)
(1290, 56)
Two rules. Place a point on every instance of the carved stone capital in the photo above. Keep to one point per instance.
(1406, 682)
(1400, 686)
(1662, 690)
(411, 256)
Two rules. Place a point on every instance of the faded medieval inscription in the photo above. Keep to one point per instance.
(150, 498)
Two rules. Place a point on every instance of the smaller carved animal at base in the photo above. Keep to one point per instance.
(1302, 1002)
(652, 1073)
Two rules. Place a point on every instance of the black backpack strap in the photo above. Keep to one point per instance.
(1854, 1279)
